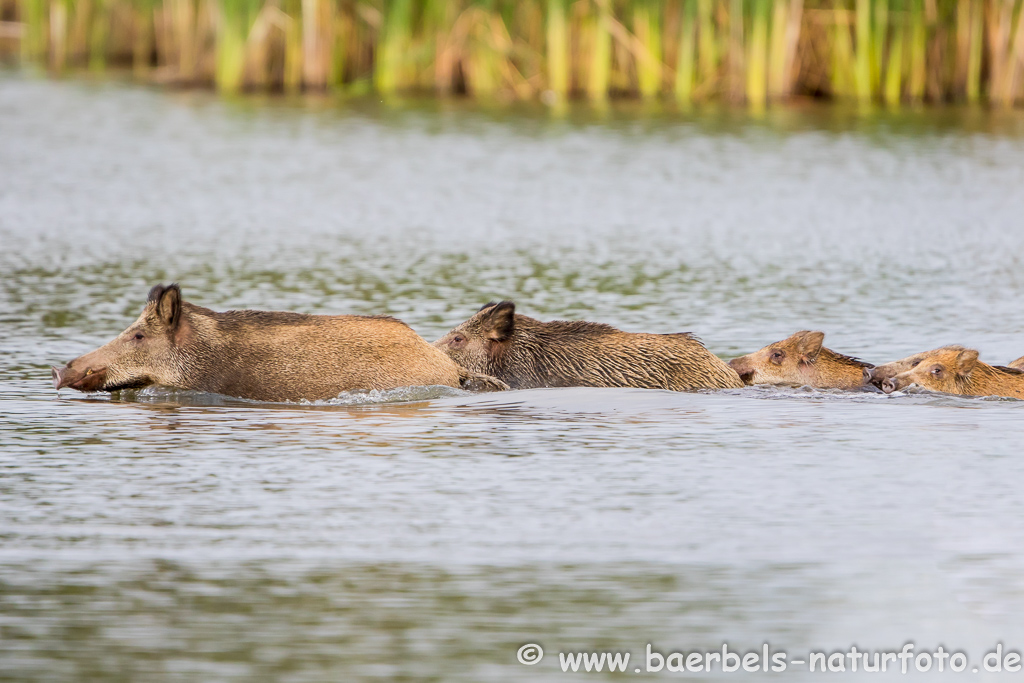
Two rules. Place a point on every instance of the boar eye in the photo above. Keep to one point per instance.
(458, 339)
(778, 356)
(937, 371)
(139, 336)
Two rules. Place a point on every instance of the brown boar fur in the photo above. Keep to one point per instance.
(262, 355)
(527, 353)
(880, 373)
(1017, 364)
(801, 360)
(958, 371)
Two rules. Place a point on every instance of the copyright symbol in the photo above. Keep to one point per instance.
(530, 654)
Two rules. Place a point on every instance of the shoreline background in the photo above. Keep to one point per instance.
(687, 52)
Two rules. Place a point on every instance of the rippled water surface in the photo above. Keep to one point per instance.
(428, 534)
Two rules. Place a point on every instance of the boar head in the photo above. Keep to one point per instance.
(784, 362)
(145, 353)
(480, 342)
(945, 370)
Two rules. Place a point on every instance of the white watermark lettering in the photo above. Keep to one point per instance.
(728, 659)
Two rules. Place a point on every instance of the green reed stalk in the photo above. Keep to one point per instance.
(757, 56)
(481, 61)
(34, 38)
(842, 55)
(600, 54)
(736, 51)
(707, 42)
(98, 34)
(686, 58)
(232, 29)
(894, 68)
(918, 47)
(862, 58)
(963, 47)
(387, 75)
(433, 22)
(647, 28)
(880, 34)
(557, 49)
(974, 59)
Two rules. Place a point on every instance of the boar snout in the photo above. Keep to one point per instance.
(82, 380)
(878, 376)
(743, 369)
(889, 385)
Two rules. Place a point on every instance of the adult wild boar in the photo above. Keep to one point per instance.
(262, 355)
(958, 371)
(880, 373)
(527, 353)
(801, 360)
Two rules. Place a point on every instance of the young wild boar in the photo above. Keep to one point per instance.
(801, 360)
(880, 373)
(261, 355)
(528, 353)
(957, 370)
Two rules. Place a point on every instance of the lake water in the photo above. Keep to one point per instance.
(428, 534)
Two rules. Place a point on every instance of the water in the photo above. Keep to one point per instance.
(427, 534)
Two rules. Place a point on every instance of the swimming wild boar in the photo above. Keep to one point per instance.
(262, 355)
(527, 353)
(880, 373)
(801, 360)
(957, 370)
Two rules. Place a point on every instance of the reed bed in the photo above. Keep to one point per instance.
(687, 51)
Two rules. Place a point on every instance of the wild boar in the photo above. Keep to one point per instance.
(880, 373)
(262, 355)
(1017, 364)
(958, 371)
(527, 353)
(801, 360)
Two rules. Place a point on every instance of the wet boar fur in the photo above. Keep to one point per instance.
(1017, 364)
(880, 373)
(262, 355)
(801, 360)
(958, 371)
(527, 353)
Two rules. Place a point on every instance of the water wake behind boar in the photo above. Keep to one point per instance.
(527, 353)
(263, 355)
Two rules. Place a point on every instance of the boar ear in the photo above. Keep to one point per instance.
(809, 343)
(965, 361)
(499, 321)
(154, 294)
(168, 306)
